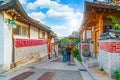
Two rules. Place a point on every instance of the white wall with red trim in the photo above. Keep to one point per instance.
(109, 55)
(24, 47)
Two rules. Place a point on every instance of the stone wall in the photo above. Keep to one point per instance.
(29, 50)
(109, 55)
(82, 46)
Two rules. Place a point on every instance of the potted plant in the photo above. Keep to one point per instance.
(85, 52)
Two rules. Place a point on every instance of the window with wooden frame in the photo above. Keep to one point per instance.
(20, 30)
(88, 34)
(17, 30)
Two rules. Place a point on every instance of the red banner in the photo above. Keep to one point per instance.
(29, 42)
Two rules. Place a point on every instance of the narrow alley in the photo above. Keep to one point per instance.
(50, 70)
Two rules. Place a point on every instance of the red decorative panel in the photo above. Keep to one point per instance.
(29, 42)
(112, 47)
(85, 46)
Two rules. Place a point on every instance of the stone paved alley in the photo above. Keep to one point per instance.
(50, 70)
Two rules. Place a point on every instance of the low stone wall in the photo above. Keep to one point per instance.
(109, 55)
(82, 46)
(27, 50)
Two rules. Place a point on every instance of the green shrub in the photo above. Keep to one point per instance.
(117, 75)
(75, 51)
(79, 58)
(101, 69)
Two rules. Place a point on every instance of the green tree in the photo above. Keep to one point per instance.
(115, 22)
(64, 40)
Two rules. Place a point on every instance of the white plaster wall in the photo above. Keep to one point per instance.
(7, 44)
(46, 35)
(1, 39)
(20, 37)
(33, 33)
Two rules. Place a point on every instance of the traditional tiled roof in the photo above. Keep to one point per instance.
(15, 4)
(89, 5)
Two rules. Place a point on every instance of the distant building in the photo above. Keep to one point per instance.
(74, 34)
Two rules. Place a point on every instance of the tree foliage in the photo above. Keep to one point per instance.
(64, 40)
(115, 22)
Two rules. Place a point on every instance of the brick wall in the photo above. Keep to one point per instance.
(109, 55)
(112, 47)
(85, 45)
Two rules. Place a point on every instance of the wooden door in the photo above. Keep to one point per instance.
(96, 43)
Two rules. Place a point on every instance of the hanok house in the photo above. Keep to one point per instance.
(22, 39)
(95, 23)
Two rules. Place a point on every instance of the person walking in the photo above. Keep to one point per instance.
(68, 50)
(64, 54)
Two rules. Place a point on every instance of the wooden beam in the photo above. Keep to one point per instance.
(85, 34)
(100, 23)
(29, 31)
(13, 49)
(39, 33)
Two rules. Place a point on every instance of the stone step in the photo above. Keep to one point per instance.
(92, 64)
(86, 76)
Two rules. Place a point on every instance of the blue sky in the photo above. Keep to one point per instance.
(63, 16)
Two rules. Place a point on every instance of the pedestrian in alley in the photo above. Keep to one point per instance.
(64, 53)
(68, 50)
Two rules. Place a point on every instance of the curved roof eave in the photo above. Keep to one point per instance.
(89, 5)
(18, 7)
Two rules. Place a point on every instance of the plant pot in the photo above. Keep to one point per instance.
(86, 53)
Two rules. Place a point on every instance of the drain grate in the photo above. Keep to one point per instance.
(32, 67)
(22, 76)
(47, 76)
(82, 69)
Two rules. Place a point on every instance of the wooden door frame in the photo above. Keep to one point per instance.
(95, 44)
